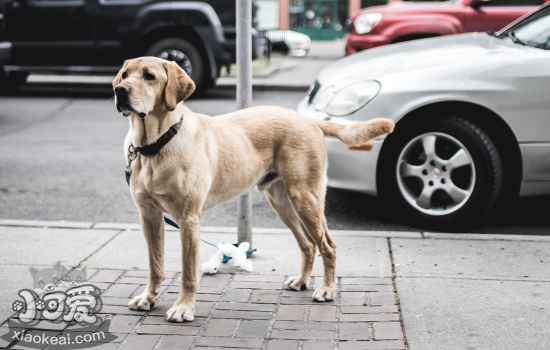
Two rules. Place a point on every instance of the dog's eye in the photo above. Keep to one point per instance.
(148, 76)
(124, 75)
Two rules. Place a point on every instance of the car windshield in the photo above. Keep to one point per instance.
(533, 31)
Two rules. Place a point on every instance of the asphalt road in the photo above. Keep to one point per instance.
(61, 158)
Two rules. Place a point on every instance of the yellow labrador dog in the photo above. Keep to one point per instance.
(183, 162)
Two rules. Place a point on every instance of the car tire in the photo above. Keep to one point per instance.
(187, 56)
(441, 174)
(10, 81)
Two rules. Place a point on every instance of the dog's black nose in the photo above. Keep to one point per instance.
(122, 90)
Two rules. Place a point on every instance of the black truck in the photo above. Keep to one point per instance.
(96, 36)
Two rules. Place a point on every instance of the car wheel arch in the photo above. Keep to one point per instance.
(490, 122)
(181, 32)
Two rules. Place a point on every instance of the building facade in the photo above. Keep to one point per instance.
(320, 19)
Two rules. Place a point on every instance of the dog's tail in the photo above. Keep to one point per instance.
(358, 133)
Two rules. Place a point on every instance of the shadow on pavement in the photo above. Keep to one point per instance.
(525, 216)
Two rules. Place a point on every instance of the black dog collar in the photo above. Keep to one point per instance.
(155, 147)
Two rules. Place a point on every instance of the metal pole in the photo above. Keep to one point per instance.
(244, 100)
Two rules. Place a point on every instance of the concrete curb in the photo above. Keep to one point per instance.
(278, 231)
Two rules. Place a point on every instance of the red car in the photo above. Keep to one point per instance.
(397, 22)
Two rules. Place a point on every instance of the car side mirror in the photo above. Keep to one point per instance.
(476, 4)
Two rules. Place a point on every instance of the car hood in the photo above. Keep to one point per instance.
(408, 7)
(463, 52)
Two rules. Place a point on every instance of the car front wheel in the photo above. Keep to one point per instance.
(186, 56)
(442, 174)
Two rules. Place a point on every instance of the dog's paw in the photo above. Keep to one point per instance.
(180, 312)
(296, 283)
(324, 293)
(144, 301)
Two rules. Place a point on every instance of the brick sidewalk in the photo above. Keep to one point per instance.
(250, 312)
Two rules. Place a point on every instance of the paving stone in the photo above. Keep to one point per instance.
(322, 313)
(237, 295)
(247, 343)
(352, 298)
(306, 326)
(109, 276)
(364, 280)
(301, 335)
(278, 344)
(122, 310)
(354, 331)
(290, 313)
(50, 326)
(198, 321)
(143, 273)
(265, 296)
(368, 317)
(207, 297)
(121, 290)
(141, 342)
(90, 273)
(247, 315)
(308, 293)
(178, 329)
(382, 298)
(4, 331)
(372, 345)
(123, 323)
(387, 330)
(210, 290)
(217, 280)
(259, 278)
(220, 328)
(256, 285)
(246, 307)
(176, 342)
(141, 280)
(367, 288)
(368, 309)
(101, 285)
(303, 301)
(318, 345)
(253, 329)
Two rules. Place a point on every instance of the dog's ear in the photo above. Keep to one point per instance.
(118, 77)
(178, 86)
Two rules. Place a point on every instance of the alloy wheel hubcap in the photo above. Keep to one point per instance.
(436, 174)
(179, 57)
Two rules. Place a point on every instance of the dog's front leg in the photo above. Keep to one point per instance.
(184, 307)
(153, 229)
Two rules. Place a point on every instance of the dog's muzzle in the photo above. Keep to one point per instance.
(122, 94)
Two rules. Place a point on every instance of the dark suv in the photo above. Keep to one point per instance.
(96, 36)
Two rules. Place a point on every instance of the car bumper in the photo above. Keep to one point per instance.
(356, 43)
(347, 169)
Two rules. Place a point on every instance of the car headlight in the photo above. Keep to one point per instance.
(366, 22)
(352, 98)
(324, 98)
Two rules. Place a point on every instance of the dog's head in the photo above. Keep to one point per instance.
(146, 84)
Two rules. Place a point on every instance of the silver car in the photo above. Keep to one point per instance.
(472, 121)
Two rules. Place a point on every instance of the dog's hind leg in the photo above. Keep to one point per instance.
(278, 198)
(153, 229)
(308, 201)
